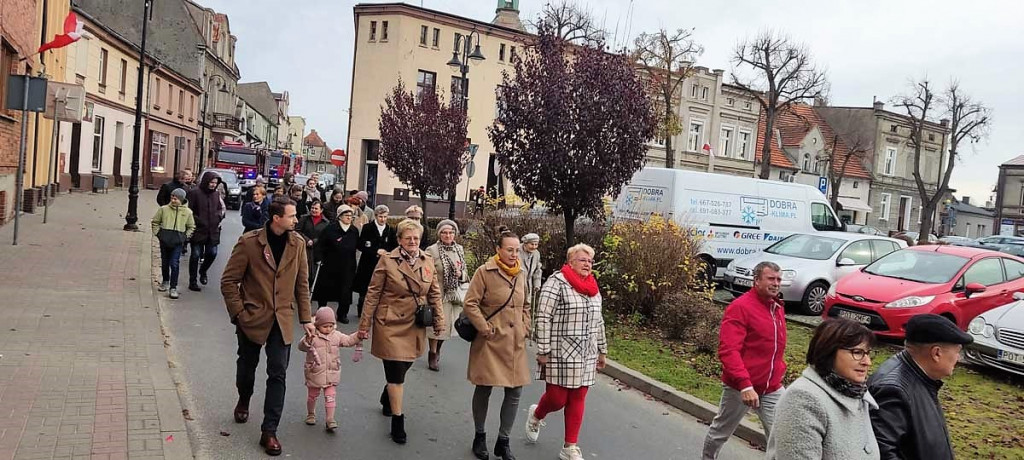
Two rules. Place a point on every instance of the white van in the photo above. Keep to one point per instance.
(734, 216)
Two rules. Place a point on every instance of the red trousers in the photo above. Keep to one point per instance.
(574, 402)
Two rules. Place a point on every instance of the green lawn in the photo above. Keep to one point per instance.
(985, 410)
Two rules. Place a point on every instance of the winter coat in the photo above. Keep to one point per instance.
(533, 267)
(257, 291)
(311, 232)
(253, 217)
(370, 240)
(208, 209)
(331, 210)
(570, 330)
(909, 423)
(174, 217)
(752, 344)
(498, 359)
(323, 364)
(814, 421)
(163, 197)
(336, 249)
(390, 309)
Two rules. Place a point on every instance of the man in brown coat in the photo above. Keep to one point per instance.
(265, 280)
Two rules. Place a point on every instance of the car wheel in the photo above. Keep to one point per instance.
(814, 298)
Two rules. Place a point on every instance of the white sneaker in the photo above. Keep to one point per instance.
(164, 286)
(570, 453)
(533, 425)
(174, 293)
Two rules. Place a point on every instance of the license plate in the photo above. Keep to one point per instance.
(1011, 357)
(863, 319)
(740, 282)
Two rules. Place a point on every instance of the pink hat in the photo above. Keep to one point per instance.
(363, 196)
(324, 315)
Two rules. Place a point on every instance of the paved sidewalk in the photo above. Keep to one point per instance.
(83, 371)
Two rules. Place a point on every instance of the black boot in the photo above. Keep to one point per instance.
(502, 450)
(398, 429)
(385, 402)
(480, 446)
(193, 286)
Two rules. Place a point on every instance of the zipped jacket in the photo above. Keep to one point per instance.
(752, 344)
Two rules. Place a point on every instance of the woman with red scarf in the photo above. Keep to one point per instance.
(571, 346)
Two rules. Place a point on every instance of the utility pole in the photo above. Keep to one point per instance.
(132, 216)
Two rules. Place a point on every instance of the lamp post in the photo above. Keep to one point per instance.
(223, 88)
(132, 216)
(461, 63)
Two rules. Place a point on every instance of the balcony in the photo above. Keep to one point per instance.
(226, 123)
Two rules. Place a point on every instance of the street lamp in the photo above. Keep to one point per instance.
(131, 217)
(463, 44)
(223, 88)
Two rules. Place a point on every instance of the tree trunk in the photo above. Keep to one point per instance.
(670, 155)
(766, 149)
(928, 213)
(423, 220)
(570, 228)
(451, 201)
(834, 199)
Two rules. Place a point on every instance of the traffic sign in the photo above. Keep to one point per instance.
(823, 185)
(470, 170)
(338, 158)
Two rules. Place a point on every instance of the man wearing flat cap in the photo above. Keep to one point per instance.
(909, 423)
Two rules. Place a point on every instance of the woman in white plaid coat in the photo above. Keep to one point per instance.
(571, 345)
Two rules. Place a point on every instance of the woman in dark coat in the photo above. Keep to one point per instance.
(310, 227)
(376, 239)
(331, 207)
(336, 250)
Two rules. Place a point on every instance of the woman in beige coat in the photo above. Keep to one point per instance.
(498, 306)
(403, 280)
(450, 266)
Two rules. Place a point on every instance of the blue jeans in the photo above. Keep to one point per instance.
(206, 251)
(170, 258)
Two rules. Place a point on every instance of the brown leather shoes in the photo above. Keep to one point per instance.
(241, 413)
(270, 444)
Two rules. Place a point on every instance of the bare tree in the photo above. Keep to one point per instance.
(968, 120)
(837, 157)
(667, 60)
(784, 74)
(570, 22)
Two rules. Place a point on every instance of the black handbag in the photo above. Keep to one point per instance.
(424, 314)
(465, 327)
(171, 238)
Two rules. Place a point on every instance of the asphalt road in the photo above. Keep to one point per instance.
(619, 423)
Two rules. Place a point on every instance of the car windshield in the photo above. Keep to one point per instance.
(275, 160)
(236, 158)
(806, 247)
(920, 266)
(228, 177)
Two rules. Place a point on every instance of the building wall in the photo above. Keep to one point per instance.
(173, 109)
(296, 132)
(972, 225)
(1010, 196)
(55, 65)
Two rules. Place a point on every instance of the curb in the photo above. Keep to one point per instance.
(702, 410)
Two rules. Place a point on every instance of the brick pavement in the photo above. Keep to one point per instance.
(83, 371)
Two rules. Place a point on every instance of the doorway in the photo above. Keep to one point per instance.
(118, 148)
(905, 208)
(76, 154)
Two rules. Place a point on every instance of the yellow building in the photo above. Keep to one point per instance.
(397, 41)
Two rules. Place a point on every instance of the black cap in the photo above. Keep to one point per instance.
(932, 328)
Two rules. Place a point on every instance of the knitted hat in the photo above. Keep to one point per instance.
(531, 238)
(324, 315)
(179, 193)
(381, 208)
(447, 223)
(343, 209)
(363, 196)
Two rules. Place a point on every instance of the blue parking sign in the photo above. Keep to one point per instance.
(823, 185)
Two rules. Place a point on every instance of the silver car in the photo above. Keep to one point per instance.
(811, 263)
(999, 337)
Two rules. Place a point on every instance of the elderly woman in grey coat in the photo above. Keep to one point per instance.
(449, 262)
(825, 413)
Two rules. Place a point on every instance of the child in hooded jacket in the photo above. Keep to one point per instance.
(323, 365)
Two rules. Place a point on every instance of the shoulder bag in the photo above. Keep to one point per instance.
(424, 315)
(465, 327)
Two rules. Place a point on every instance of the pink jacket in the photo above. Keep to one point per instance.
(323, 364)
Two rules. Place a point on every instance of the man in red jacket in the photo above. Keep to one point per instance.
(751, 346)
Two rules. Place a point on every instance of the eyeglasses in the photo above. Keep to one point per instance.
(586, 261)
(859, 353)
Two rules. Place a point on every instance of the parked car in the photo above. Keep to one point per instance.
(957, 282)
(957, 240)
(326, 181)
(1016, 249)
(230, 188)
(865, 229)
(996, 242)
(811, 263)
(916, 236)
(999, 337)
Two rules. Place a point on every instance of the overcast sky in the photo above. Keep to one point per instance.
(870, 48)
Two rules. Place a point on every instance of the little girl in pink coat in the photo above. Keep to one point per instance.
(323, 365)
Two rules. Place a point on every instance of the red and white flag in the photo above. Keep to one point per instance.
(73, 30)
(707, 148)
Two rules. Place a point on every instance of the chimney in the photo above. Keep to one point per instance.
(718, 72)
(944, 122)
(965, 200)
(879, 105)
(820, 101)
(507, 15)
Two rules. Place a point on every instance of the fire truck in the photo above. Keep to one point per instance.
(246, 162)
(278, 164)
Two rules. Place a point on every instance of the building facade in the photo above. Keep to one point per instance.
(1009, 205)
(172, 128)
(296, 132)
(219, 115)
(283, 121)
(962, 218)
(258, 113)
(398, 41)
(317, 155)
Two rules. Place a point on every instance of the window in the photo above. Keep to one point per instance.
(170, 97)
(1014, 269)
(457, 90)
(704, 93)
(920, 211)
(97, 142)
(693, 90)
(894, 129)
(859, 252)
(7, 59)
(501, 52)
(383, 31)
(730, 102)
(156, 99)
(103, 69)
(882, 247)
(124, 77)
(855, 184)
(890, 161)
(437, 38)
(373, 30)
(822, 218)
(931, 137)
(744, 145)
(157, 151)
(424, 82)
(747, 105)
(884, 205)
(988, 272)
(695, 141)
(455, 44)
(725, 143)
(512, 54)
(191, 107)
(423, 35)
(807, 162)
(181, 103)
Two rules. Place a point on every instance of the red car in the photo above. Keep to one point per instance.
(953, 281)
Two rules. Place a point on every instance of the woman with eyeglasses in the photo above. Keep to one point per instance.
(824, 414)
(571, 346)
